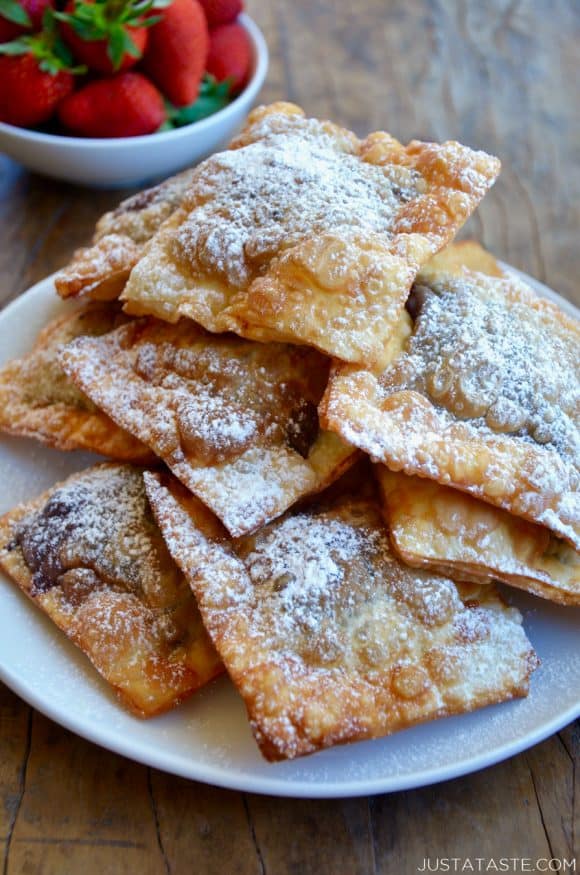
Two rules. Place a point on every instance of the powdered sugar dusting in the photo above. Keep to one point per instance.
(294, 182)
(484, 397)
(99, 271)
(37, 380)
(301, 232)
(91, 556)
(500, 363)
(99, 521)
(303, 561)
(329, 638)
(236, 421)
(139, 216)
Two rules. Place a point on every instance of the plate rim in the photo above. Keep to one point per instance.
(218, 775)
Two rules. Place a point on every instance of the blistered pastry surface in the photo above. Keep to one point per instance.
(38, 400)
(484, 396)
(328, 637)
(139, 216)
(90, 555)
(101, 270)
(236, 421)
(460, 257)
(303, 233)
(451, 532)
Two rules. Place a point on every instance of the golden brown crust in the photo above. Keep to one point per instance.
(449, 532)
(101, 270)
(88, 553)
(329, 638)
(140, 215)
(38, 401)
(459, 257)
(483, 398)
(235, 421)
(302, 233)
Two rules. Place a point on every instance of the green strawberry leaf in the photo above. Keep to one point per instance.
(47, 47)
(135, 11)
(13, 11)
(141, 7)
(49, 65)
(87, 22)
(131, 47)
(149, 22)
(15, 47)
(49, 22)
(65, 57)
(213, 96)
(109, 20)
(116, 46)
(120, 44)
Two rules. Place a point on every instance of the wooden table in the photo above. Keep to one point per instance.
(496, 75)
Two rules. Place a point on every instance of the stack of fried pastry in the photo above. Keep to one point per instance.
(245, 336)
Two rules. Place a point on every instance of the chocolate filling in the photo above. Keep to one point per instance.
(302, 428)
(42, 536)
(416, 300)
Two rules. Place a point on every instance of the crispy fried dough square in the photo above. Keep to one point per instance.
(235, 421)
(459, 257)
(302, 233)
(327, 636)
(38, 400)
(450, 532)
(89, 554)
(484, 397)
(101, 270)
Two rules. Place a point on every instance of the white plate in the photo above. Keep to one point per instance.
(208, 738)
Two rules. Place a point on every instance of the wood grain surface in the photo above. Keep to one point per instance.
(496, 74)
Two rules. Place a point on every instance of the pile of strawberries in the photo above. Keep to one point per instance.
(119, 68)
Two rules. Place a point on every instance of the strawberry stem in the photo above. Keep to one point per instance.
(110, 20)
(47, 47)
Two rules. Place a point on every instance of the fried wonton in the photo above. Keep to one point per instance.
(235, 421)
(38, 400)
(459, 257)
(302, 233)
(328, 637)
(90, 555)
(100, 271)
(450, 532)
(483, 395)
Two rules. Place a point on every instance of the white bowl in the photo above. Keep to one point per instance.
(125, 161)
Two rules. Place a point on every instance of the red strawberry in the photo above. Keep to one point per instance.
(177, 51)
(107, 36)
(35, 75)
(124, 105)
(18, 16)
(95, 54)
(230, 55)
(29, 95)
(9, 29)
(221, 11)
